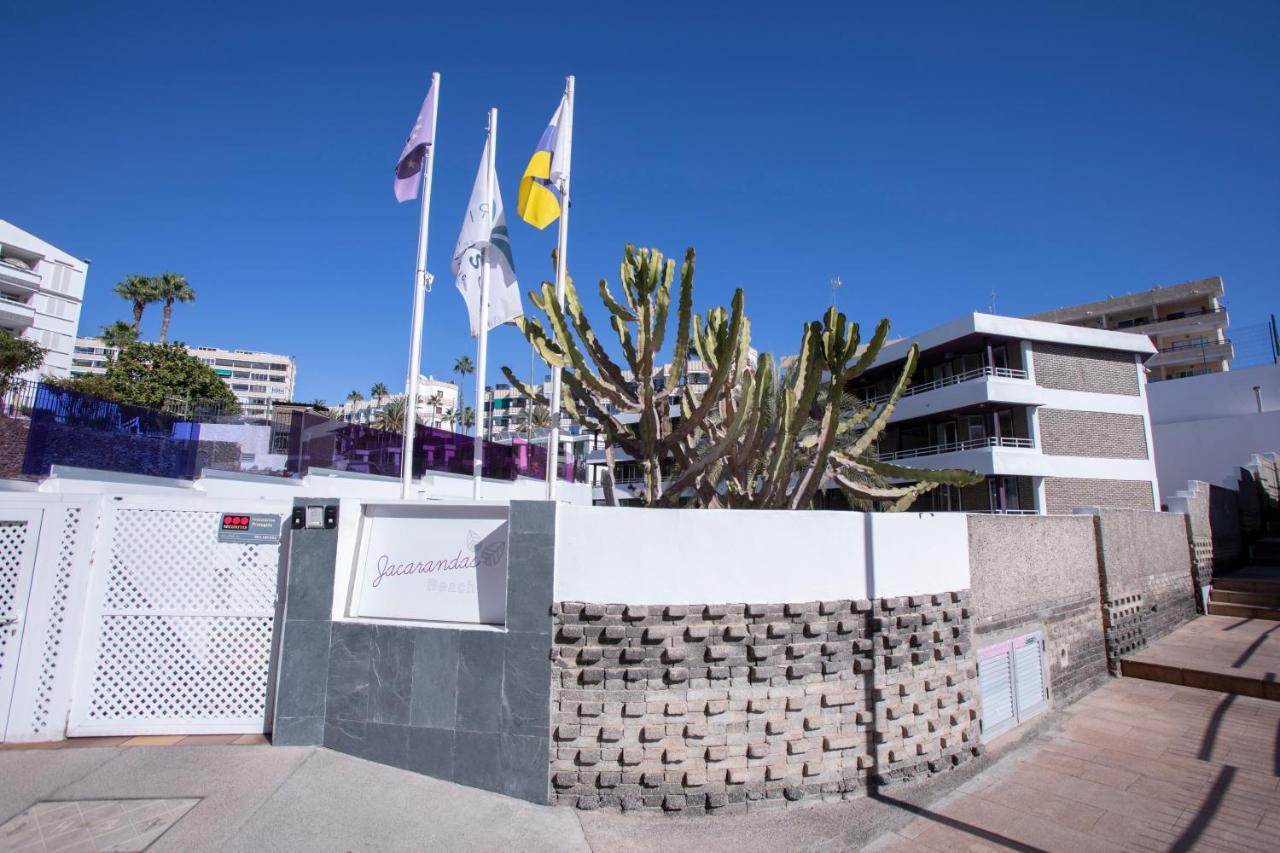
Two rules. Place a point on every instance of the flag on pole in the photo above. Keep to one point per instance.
(485, 226)
(540, 188)
(420, 139)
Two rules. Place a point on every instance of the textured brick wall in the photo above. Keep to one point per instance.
(722, 708)
(1063, 494)
(1145, 561)
(1073, 368)
(13, 446)
(1041, 573)
(1066, 432)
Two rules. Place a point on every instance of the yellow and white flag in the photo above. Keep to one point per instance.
(542, 187)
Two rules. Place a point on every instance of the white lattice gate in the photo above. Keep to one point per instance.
(19, 532)
(178, 630)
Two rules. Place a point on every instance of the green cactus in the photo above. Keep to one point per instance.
(780, 436)
(758, 436)
(634, 415)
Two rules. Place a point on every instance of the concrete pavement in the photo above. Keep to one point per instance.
(1134, 766)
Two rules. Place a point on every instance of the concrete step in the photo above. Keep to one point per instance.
(1253, 599)
(1230, 583)
(1243, 611)
(1206, 678)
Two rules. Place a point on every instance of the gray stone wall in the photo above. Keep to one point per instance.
(1066, 432)
(729, 707)
(1147, 582)
(1074, 368)
(1041, 573)
(1064, 494)
(466, 705)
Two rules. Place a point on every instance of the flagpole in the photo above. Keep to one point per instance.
(421, 283)
(562, 264)
(482, 345)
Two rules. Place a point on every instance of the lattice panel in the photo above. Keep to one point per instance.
(13, 544)
(54, 635)
(181, 667)
(183, 634)
(172, 560)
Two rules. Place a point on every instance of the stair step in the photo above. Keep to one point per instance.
(1233, 584)
(1222, 681)
(1243, 611)
(1252, 599)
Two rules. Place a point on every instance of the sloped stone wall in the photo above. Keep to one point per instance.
(729, 707)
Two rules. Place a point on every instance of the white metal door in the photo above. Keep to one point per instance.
(19, 533)
(1011, 683)
(179, 625)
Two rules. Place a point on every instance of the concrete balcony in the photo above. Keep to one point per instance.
(1190, 324)
(957, 447)
(1192, 353)
(29, 279)
(16, 314)
(947, 382)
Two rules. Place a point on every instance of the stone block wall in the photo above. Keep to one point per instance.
(1075, 368)
(1148, 587)
(13, 447)
(1041, 573)
(1106, 435)
(1064, 494)
(729, 707)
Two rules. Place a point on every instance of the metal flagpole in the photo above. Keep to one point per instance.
(482, 346)
(421, 284)
(562, 264)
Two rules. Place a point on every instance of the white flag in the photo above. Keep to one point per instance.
(485, 226)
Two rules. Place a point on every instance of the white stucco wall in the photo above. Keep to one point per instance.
(644, 556)
(1214, 395)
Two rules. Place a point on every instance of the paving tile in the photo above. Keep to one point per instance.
(153, 740)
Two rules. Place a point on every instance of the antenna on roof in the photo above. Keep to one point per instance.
(991, 308)
(836, 284)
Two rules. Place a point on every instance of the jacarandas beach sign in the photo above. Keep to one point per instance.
(432, 569)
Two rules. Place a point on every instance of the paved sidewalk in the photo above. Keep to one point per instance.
(1137, 765)
(1224, 653)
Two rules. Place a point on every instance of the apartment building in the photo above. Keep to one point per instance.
(41, 293)
(437, 405)
(258, 379)
(1186, 322)
(1054, 416)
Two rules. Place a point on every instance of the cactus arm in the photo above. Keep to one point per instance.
(736, 340)
(882, 418)
(870, 353)
(564, 339)
(711, 454)
(684, 313)
(615, 309)
(540, 341)
(525, 390)
(600, 358)
(606, 479)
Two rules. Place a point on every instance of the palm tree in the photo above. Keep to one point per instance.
(390, 417)
(117, 336)
(462, 367)
(141, 291)
(468, 417)
(171, 288)
(540, 416)
(354, 397)
(378, 391)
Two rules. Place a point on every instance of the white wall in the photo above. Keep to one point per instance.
(1214, 395)
(633, 555)
(1212, 450)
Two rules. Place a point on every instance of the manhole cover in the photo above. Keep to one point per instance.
(118, 825)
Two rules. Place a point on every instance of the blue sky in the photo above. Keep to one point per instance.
(926, 153)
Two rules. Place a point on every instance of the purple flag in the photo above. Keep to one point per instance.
(421, 138)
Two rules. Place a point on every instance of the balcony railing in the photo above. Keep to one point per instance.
(1182, 346)
(976, 373)
(956, 447)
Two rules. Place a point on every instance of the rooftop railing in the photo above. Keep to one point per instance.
(956, 447)
(968, 375)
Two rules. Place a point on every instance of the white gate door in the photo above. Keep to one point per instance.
(19, 533)
(178, 626)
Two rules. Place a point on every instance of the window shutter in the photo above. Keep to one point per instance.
(995, 684)
(1028, 678)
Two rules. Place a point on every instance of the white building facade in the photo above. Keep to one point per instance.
(437, 405)
(258, 379)
(41, 294)
(1054, 416)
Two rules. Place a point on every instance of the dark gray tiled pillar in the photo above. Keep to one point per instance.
(467, 705)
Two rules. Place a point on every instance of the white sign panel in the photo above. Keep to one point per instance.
(446, 566)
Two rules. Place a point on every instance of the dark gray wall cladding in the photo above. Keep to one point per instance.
(469, 706)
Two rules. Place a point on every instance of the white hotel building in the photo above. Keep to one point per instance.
(41, 293)
(1055, 416)
(258, 379)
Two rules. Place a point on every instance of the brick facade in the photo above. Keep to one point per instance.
(1137, 614)
(1074, 368)
(1107, 435)
(725, 708)
(1063, 494)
